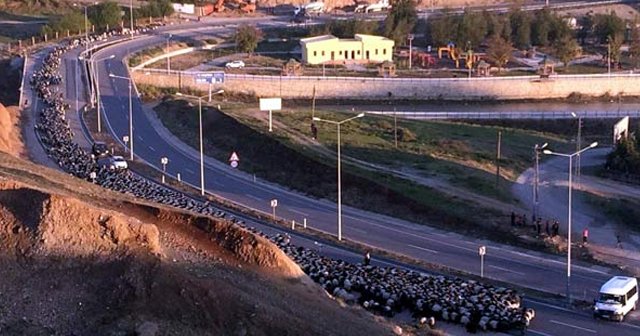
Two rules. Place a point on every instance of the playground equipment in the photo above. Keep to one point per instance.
(422, 59)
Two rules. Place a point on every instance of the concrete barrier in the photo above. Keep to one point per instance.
(489, 88)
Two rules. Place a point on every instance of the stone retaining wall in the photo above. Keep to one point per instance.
(493, 88)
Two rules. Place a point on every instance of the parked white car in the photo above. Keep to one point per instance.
(235, 64)
(118, 163)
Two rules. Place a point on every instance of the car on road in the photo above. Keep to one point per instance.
(235, 64)
(618, 296)
(118, 163)
(99, 149)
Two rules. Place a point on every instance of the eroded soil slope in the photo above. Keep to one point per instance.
(76, 259)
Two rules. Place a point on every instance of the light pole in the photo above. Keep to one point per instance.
(410, 38)
(536, 179)
(130, 114)
(201, 138)
(570, 156)
(578, 141)
(338, 123)
(97, 86)
(164, 161)
(131, 16)
(168, 57)
(609, 55)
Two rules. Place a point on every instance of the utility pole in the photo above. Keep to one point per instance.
(313, 103)
(395, 127)
(410, 38)
(498, 145)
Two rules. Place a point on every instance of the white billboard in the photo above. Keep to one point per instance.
(621, 130)
(184, 8)
(270, 104)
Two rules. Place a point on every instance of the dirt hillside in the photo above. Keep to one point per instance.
(77, 259)
(10, 135)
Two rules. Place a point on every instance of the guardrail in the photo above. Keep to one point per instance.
(419, 115)
(380, 79)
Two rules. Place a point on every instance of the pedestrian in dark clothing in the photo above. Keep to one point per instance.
(513, 218)
(555, 229)
(619, 243)
(524, 220)
(539, 226)
(546, 227)
(367, 259)
(314, 131)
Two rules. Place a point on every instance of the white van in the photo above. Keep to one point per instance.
(618, 296)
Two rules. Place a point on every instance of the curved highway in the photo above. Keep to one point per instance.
(522, 267)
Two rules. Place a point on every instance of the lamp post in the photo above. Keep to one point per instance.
(164, 161)
(578, 141)
(130, 114)
(201, 138)
(338, 123)
(97, 85)
(131, 17)
(570, 156)
(536, 179)
(168, 57)
(410, 38)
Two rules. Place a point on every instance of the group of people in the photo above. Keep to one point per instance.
(538, 225)
(386, 290)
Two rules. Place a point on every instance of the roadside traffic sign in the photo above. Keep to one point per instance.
(233, 160)
(482, 250)
(211, 78)
(274, 203)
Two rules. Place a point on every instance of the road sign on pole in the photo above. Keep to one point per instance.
(270, 104)
(210, 78)
(233, 160)
(482, 250)
(274, 204)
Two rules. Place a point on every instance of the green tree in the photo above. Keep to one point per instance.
(106, 14)
(615, 48)
(586, 24)
(74, 22)
(401, 20)
(472, 28)
(499, 51)
(541, 27)
(625, 158)
(607, 25)
(247, 38)
(566, 49)
(521, 29)
(634, 43)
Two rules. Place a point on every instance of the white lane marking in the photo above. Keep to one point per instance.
(506, 270)
(254, 197)
(139, 137)
(551, 306)
(572, 326)
(356, 229)
(299, 212)
(151, 148)
(189, 171)
(538, 332)
(423, 249)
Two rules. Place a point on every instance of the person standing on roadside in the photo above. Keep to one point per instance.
(546, 227)
(367, 259)
(585, 236)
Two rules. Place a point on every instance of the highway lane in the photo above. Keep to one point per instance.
(505, 263)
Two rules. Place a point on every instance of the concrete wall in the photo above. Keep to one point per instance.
(508, 88)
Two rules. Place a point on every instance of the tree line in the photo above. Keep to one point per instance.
(105, 15)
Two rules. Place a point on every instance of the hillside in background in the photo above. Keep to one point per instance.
(78, 259)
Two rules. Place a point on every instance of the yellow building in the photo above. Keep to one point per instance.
(329, 49)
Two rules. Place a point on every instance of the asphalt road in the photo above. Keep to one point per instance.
(525, 268)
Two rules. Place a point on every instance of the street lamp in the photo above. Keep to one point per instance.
(164, 161)
(536, 180)
(410, 38)
(201, 139)
(168, 57)
(93, 63)
(570, 156)
(578, 141)
(130, 114)
(338, 123)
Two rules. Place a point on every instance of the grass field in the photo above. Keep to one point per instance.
(462, 154)
(274, 157)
